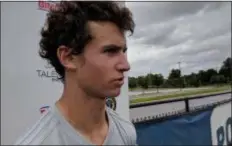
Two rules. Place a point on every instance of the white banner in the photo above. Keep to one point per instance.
(221, 125)
(28, 84)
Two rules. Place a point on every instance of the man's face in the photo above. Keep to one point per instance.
(103, 63)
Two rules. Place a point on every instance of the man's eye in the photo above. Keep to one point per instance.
(114, 50)
(111, 50)
(124, 50)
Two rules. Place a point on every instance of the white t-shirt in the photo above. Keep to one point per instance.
(53, 129)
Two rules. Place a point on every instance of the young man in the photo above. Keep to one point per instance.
(85, 42)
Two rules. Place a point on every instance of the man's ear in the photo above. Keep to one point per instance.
(65, 57)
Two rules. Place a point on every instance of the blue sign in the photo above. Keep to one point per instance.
(210, 127)
(187, 130)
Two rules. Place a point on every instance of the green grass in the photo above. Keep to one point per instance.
(141, 89)
(181, 94)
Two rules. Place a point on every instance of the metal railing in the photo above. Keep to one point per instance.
(177, 113)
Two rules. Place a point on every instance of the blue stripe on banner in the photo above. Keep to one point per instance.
(186, 130)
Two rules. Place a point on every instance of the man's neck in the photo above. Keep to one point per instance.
(86, 114)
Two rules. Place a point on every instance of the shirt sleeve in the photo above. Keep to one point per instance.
(133, 137)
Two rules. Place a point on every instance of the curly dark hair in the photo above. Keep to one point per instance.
(67, 25)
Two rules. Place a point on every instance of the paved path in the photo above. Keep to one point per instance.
(153, 93)
(160, 109)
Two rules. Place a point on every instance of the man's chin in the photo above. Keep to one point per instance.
(114, 93)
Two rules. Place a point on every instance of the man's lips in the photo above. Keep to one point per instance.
(119, 81)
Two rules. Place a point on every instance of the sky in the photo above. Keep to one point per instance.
(197, 34)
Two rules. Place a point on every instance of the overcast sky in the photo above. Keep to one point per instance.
(196, 33)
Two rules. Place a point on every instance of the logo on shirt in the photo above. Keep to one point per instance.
(111, 103)
(43, 109)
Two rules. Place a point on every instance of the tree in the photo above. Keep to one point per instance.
(143, 82)
(202, 77)
(175, 73)
(226, 68)
(157, 80)
(193, 80)
(149, 79)
(209, 73)
(132, 82)
(217, 79)
(175, 79)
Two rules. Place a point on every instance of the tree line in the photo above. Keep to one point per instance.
(176, 80)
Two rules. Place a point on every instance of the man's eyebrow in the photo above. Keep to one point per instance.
(112, 46)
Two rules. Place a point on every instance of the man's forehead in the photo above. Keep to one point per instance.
(107, 33)
(98, 28)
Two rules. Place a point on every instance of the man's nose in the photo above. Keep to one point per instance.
(123, 64)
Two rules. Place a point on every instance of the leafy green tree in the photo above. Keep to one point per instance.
(218, 79)
(132, 82)
(149, 79)
(143, 82)
(202, 77)
(226, 69)
(174, 73)
(193, 80)
(157, 80)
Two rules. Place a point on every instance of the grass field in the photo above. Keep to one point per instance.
(140, 89)
(182, 94)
